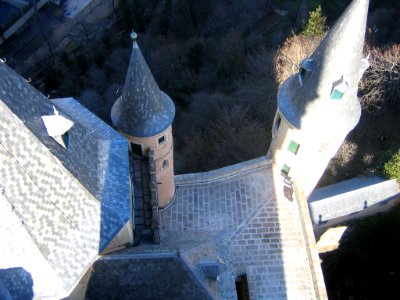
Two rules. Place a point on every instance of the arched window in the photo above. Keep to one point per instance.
(277, 123)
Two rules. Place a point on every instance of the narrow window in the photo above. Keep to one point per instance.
(165, 164)
(293, 147)
(302, 75)
(65, 139)
(285, 169)
(161, 140)
(277, 123)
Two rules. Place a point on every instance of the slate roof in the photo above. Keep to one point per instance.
(4, 294)
(152, 278)
(143, 110)
(339, 54)
(350, 196)
(16, 282)
(59, 207)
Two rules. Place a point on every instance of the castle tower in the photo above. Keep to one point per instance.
(144, 114)
(318, 107)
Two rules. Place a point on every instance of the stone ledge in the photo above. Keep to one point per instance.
(124, 255)
(222, 173)
(310, 243)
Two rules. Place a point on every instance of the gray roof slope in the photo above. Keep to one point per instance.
(348, 186)
(98, 158)
(4, 294)
(142, 110)
(144, 278)
(339, 54)
(350, 196)
(69, 213)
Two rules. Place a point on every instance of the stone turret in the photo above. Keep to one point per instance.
(144, 114)
(318, 106)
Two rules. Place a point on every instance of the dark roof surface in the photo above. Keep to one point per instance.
(142, 110)
(144, 278)
(15, 283)
(339, 54)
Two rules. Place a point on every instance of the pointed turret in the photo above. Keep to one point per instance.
(327, 81)
(143, 110)
(318, 107)
(144, 114)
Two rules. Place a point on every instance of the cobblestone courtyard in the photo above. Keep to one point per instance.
(261, 229)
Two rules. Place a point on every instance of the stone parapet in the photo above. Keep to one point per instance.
(215, 175)
(311, 245)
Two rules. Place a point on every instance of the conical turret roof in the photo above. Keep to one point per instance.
(325, 89)
(143, 110)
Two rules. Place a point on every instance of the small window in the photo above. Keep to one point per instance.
(161, 140)
(293, 147)
(165, 164)
(306, 66)
(338, 89)
(62, 139)
(302, 75)
(285, 169)
(336, 94)
(277, 123)
(65, 139)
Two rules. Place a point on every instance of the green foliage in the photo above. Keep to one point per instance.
(316, 24)
(391, 168)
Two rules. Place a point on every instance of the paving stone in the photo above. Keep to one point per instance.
(262, 231)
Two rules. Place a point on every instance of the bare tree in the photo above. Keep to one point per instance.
(293, 51)
(381, 81)
(232, 138)
(343, 157)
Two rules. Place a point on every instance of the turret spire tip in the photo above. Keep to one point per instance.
(133, 35)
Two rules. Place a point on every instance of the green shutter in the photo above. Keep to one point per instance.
(336, 95)
(285, 169)
(293, 147)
